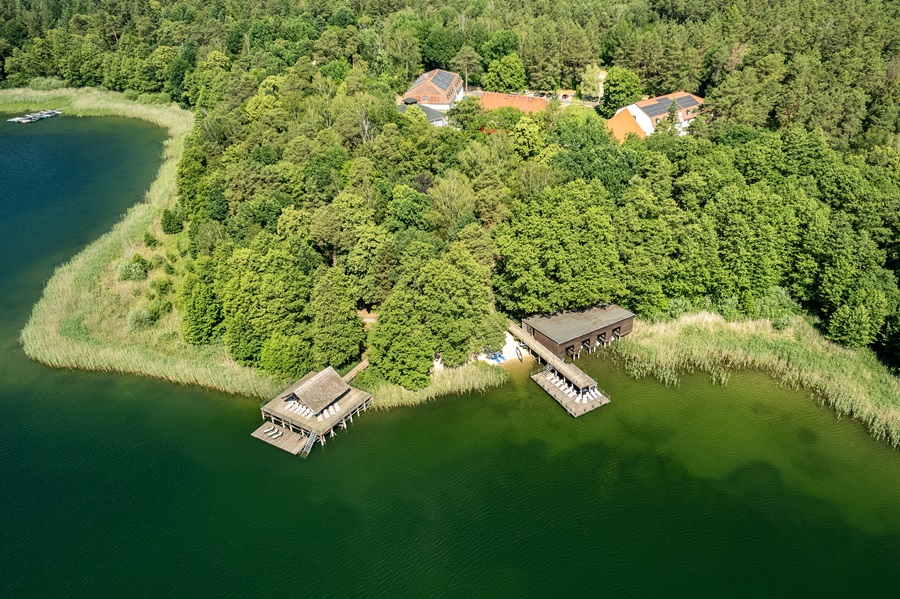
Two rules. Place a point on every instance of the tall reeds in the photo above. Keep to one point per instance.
(79, 322)
(474, 376)
(853, 382)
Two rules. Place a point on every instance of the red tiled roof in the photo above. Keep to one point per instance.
(527, 104)
(435, 87)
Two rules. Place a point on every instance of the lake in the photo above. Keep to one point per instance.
(116, 485)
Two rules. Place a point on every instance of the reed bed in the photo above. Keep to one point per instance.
(474, 376)
(79, 322)
(852, 382)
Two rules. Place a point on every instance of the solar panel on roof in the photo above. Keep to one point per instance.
(687, 101)
(443, 79)
(661, 107)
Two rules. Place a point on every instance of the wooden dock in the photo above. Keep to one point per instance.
(577, 401)
(334, 404)
(289, 440)
(572, 405)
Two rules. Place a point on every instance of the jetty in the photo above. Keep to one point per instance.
(36, 116)
(551, 338)
(311, 410)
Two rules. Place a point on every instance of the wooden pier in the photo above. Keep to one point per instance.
(287, 440)
(570, 386)
(312, 409)
(576, 406)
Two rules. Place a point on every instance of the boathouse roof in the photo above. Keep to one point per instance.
(317, 390)
(565, 326)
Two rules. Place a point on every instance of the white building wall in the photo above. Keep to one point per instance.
(642, 119)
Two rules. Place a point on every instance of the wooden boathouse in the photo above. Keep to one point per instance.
(568, 333)
(311, 410)
(551, 338)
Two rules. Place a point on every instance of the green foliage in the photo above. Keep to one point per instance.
(339, 334)
(172, 221)
(591, 78)
(135, 269)
(159, 307)
(440, 308)
(558, 253)
(298, 161)
(505, 75)
(200, 305)
(265, 292)
(468, 61)
(621, 88)
(149, 240)
(46, 83)
(139, 318)
(287, 355)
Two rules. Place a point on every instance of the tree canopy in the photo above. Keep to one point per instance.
(304, 195)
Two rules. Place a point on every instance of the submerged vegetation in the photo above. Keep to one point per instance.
(853, 382)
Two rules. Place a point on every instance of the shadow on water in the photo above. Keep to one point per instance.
(120, 485)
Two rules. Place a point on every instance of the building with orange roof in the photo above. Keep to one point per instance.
(527, 104)
(642, 118)
(437, 89)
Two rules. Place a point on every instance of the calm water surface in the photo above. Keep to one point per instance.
(121, 486)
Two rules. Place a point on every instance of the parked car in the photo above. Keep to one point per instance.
(540, 94)
(565, 96)
(526, 92)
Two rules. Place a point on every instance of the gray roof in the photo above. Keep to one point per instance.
(566, 326)
(662, 105)
(430, 113)
(317, 390)
(443, 79)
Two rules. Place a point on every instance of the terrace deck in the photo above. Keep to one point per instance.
(349, 403)
(290, 441)
(574, 408)
(575, 375)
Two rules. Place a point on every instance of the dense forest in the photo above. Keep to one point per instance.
(306, 196)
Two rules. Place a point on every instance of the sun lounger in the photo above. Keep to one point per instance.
(319, 418)
(337, 407)
(274, 432)
(270, 429)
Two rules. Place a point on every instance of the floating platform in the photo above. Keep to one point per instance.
(579, 393)
(576, 406)
(287, 440)
(35, 116)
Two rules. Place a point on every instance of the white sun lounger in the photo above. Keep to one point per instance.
(319, 418)
(337, 407)
(270, 429)
(274, 432)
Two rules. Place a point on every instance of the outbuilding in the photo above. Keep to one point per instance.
(568, 333)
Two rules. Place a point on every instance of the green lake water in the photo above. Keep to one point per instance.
(116, 485)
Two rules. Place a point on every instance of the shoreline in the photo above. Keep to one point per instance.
(57, 332)
(851, 382)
